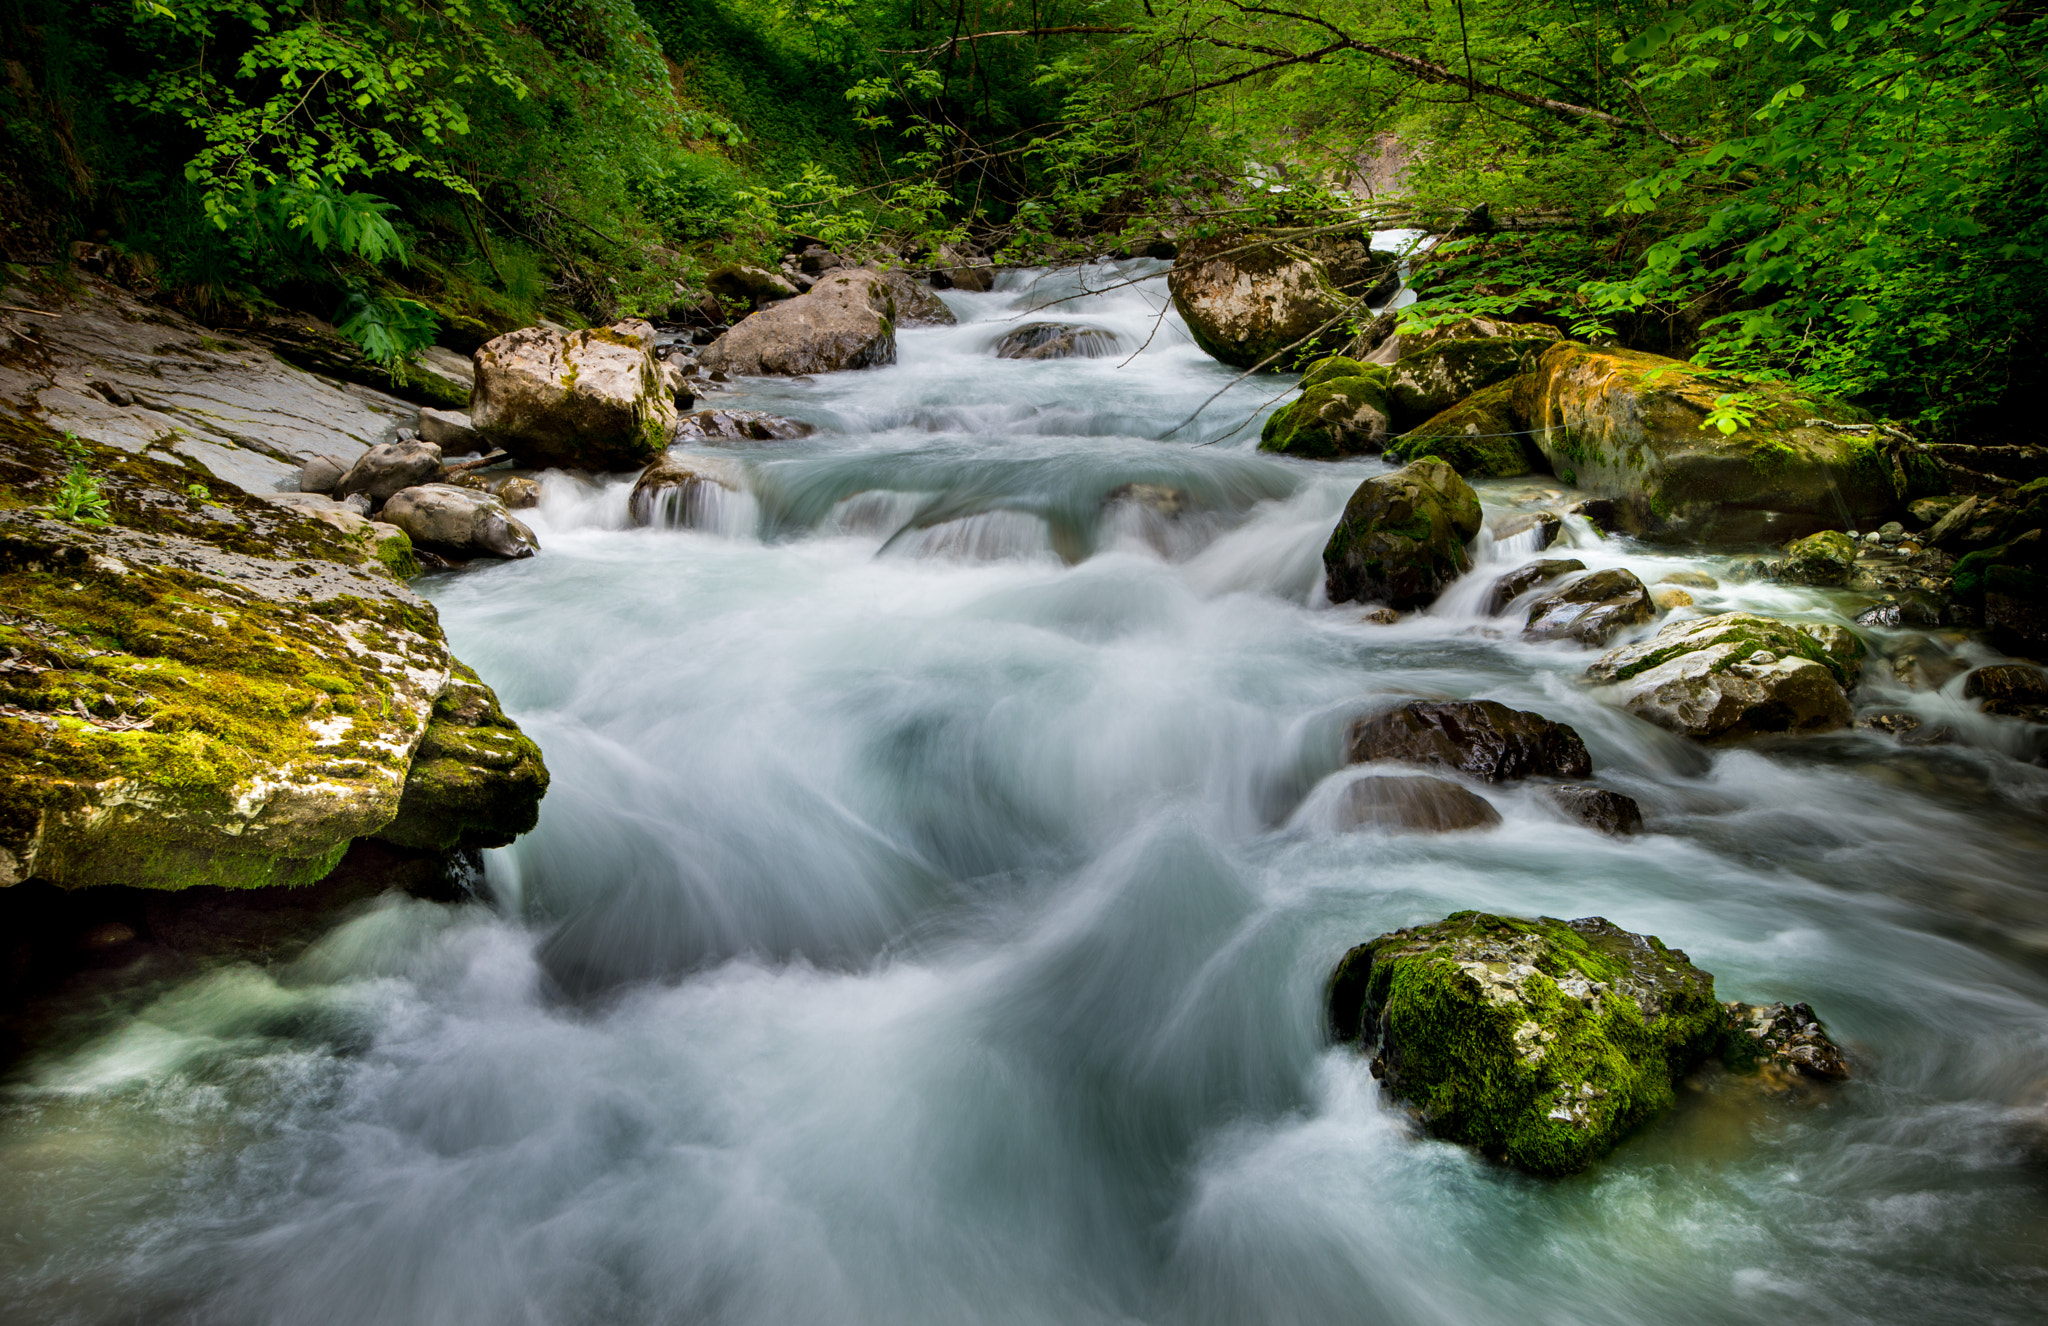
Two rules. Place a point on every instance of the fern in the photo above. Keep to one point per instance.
(391, 331)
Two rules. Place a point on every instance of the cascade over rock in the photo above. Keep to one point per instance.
(590, 400)
(1737, 674)
(1402, 537)
(847, 320)
(1482, 739)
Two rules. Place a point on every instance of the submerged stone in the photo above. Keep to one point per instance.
(1415, 802)
(1544, 1043)
(1056, 340)
(1592, 609)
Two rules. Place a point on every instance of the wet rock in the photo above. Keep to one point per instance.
(1336, 415)
(518, 493)
(1056, 340)
(1845, 649)
(1789, 1039)
(466, 523)
(1689, 579)
(1598, 808)
(846, 321)
(1825, 559)
(1669, 598)
(2007, 587)
(1434, 377)
(2012, 689)
(388, 467)
(1909, 728)
(1602, 513)
(960, 269)
(1546, 524)
(1159, 498)
(476, 780)
(1381, 617)
(916, 305)
(739, 426)
(1415, 802)
(1734, 675)
(1482, 739)
(1895, 613)
(1248, 298)
(745, 283)
(1544, 1043)
(1402, 537)
(1525, 578)
(449, 430)
(674, 491)
(1381, 343)
(1592, 609)
(1626, 425)
(320, 474)
(590, 400)
(1891, 533)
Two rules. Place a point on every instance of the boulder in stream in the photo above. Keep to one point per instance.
(1542, 1042)
(1414, 802)
(1525, 578)
(476, 780)
(675, 491)
(916, 304)
(1592, 609)
(1436, 376)
(592, 399)
(1056, 340)
(1402, 537)
(1826, 559)
(1481, 436)
(388, 467)
(846, 321)
(445, 518)
(1598, 808)
(1734, 675)
(1249, 298)
(739, 426)
(1482, 739)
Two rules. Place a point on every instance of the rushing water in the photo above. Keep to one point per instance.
(929, 918)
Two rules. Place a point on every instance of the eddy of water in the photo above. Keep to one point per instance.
(929, 919)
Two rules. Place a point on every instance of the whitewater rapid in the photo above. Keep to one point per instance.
(929, 918)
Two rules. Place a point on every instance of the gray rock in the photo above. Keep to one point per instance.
(449, 430)
(1412, 801)
(847, 321)
(518, 493)
(961, 270)
(916, 305)
(388, 467)
(1734, 675)
(1249, 298)
(1056, 340)
(590, 400)
(1598, 808)
(320, 474)
(460, 520)
(1482, 739)
(1592, 609)
(749, 284)
(1525, 578)
(672, 492)
(739, 426)
(1547, 525)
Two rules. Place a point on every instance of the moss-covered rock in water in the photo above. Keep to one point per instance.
(1341, 366)
(1543, 1043)
(1480, 437)
(1402, 537)
(1826, 558)
(1734, 675)
(220, 691)
(1627, 425)
(476, 779)
(1432, 378)
(1335, 415)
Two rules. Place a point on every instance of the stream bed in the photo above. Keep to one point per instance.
(929, 918)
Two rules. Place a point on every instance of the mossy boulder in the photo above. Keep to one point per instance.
(1334, 416)
(2008, 586)
(1434, 377)
(1826, 558)
(1402, 537)
(1480, 437)
(476, 780)
(591, 399)
(1542, 1042)
(1734, 675)
(1628, 425)
(1249, 297)
(1341, 366)
(204, 691)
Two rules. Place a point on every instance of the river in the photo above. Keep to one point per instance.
(929, 918)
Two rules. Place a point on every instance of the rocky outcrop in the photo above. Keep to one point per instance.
(1247, 298)
(1402, 537)
(591, 400)
(204, 691)
(1056, 340)
(1414, 802)
(959, 268)
(1592, 609)
(1481, 739)
(1342, 411)
(101, 364)
(739, 426)
(1525, 578)
(1734, 675)
(476, 780)
(846, 321)
(1544, 1043)
(388, 467)
(1629, 426)
(1481, 436)
(916, 305)
(676, 490)
(446, 518)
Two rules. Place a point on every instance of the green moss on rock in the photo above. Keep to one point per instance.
(1479, 437)
(1402, 537)
(476, 780)
(1542, 1042)
(1338, 416)
(1826, 558)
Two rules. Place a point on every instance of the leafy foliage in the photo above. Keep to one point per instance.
(78, 498)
